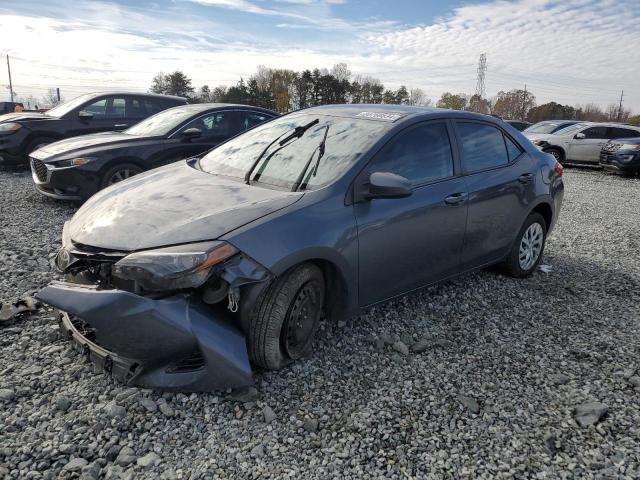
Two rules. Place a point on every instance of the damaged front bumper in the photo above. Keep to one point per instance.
(174, 342)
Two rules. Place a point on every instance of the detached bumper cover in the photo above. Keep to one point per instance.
(171, 343)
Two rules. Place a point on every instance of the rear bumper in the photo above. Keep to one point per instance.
(170, 343)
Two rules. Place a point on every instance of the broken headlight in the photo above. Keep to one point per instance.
(173, 268)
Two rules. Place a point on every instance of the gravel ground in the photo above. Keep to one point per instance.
(537, 378)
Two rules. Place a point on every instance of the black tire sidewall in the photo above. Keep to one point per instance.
(104, 183)
(267, 320)
(513, 262)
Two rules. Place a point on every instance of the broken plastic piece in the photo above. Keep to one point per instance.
(10, 310)
(545, 268)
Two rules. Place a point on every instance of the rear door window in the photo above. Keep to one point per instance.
(251, 119)
(421, 154)
(617, 132)
(513, 150)
(483, 146)
(595, 132)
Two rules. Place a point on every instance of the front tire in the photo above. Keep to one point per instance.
(557, 154)
(287, 317)
(118, 173)
(528, 247)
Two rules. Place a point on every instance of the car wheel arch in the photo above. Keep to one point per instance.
(339, 288)
(560, 149)
(543, 208)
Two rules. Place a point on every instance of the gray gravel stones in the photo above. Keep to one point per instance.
(115, 411)
(559, 379)
(469, 403)
(149, 405)
(310, 425)
(380, 414)
(75, 465)
(268, 414)
(63, 403)
(590, 413)
(401, 348)
(7, 394)
(149, 460)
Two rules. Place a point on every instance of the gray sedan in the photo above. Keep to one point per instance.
(184, 276)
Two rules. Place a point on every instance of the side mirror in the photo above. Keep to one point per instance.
(388, 185)
(84, 115)
(580, 136)
(190, 133)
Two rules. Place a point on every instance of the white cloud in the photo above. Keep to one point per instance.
(572, 52)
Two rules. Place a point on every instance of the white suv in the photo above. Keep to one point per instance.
(581, 142)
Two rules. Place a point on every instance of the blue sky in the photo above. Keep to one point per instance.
(573, 51)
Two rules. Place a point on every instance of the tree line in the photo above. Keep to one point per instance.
(285, 90)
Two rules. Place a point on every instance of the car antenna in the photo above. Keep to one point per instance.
(297, 133)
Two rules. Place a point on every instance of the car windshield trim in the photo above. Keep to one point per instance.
(62, 109)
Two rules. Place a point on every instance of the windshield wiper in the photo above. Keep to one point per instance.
(297, 133)
(320, 149)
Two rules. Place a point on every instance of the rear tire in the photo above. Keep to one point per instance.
(528, 247)
(119, 172)
(286, 317)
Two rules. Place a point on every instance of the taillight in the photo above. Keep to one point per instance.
(559, 169)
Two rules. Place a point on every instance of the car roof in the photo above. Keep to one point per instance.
(393, 113)
(609, 124)
(202, 107)
(138, 94)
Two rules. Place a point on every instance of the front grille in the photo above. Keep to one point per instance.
(40, 169)
(611, 147)
(83, 328)
(195, 361)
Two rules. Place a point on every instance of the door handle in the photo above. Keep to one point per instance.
(525, 178)
(456, 198)
(122, 125)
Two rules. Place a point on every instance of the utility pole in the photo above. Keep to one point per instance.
(10, 84)
(58, 93)
(524, 100)
(482, 70)
(620, 107)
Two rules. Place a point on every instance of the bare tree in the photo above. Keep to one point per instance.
(418, 98)
(341, 72)
(51, 97)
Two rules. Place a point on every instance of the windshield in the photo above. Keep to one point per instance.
(346, 140)
(162, 123)
(65, 108)
(570, 129)
(542, 128)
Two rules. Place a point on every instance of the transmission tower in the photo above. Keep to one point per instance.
(482, 69)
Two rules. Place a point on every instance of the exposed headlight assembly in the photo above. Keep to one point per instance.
(538, 142)
(173, 268)
(9, 127)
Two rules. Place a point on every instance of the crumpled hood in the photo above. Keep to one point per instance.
(96, 141)
(21, 116)
(171, 205)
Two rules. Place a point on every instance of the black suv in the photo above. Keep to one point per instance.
(22, 133)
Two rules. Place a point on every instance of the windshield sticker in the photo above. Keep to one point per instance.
(388, 117)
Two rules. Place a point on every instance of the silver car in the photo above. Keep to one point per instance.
(581, 142)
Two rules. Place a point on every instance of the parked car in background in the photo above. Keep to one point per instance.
(76, 168)
(581, 143)
(22, 133)
(207, 264)
(518, 124)
(621, 156)
(9, 107)
(548, 126)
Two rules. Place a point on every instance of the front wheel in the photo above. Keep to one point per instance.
(528, 247)
(286, 317)
(119, 173)
(557, 154)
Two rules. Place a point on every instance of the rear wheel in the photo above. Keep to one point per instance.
(119, 173)
(528, 247)
(557, 154)
(287, 317)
